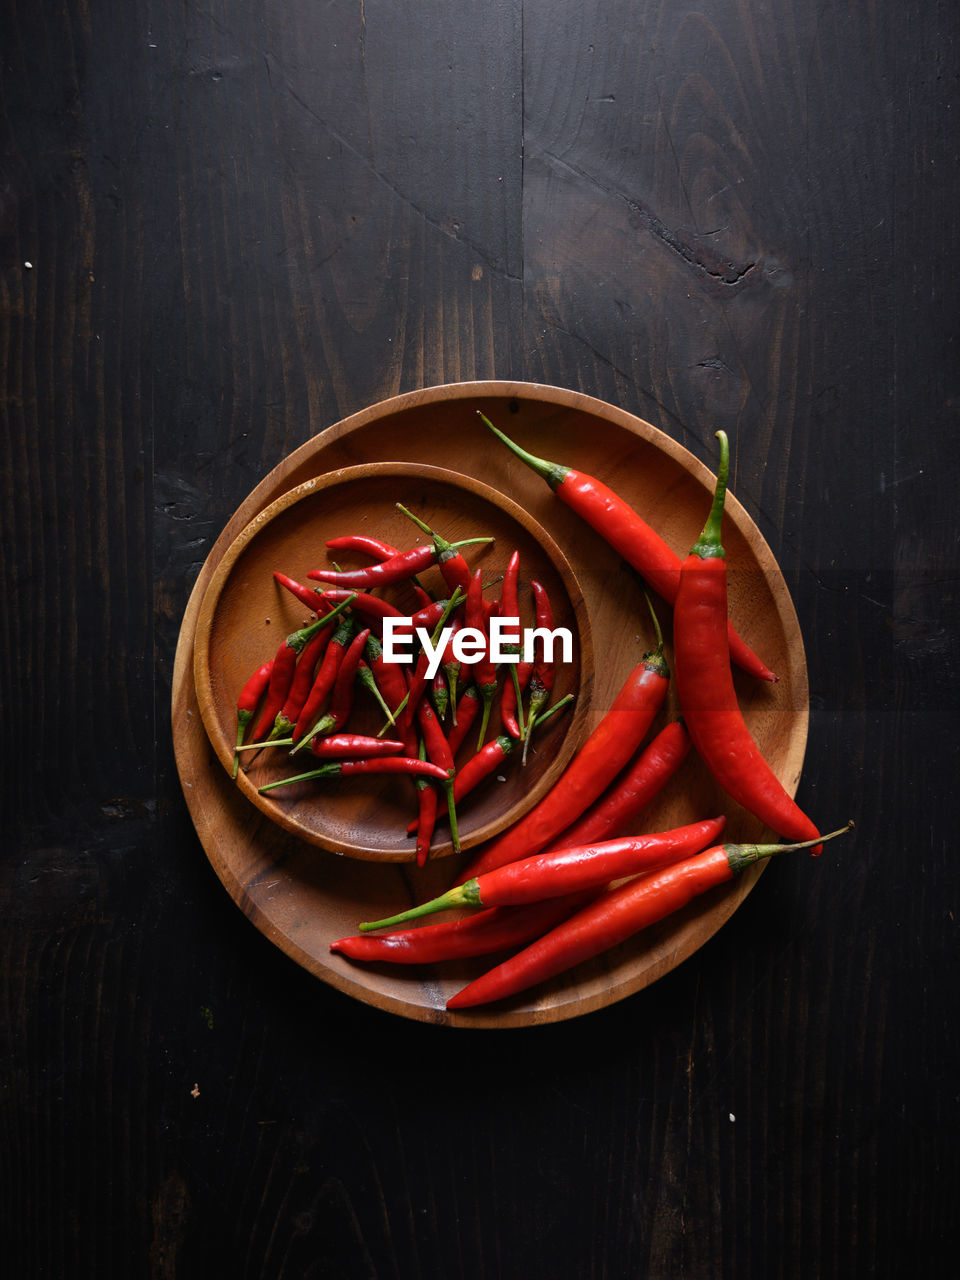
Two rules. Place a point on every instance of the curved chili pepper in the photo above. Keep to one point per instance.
(440, 694)
(493, 753)
(310, 596)
(301, 684)
(630, 793)
(616, 916)
(247, 703)
(543, 674)
(566, 871)
(620, 526)
(408, 765)
(592, 769)
(705, 686)
(362, 542)
(386, 572)
(511, 705)
(388, 676)
(451, 670)
(324, 679)
(418, 680)
(354, 746)
(455, 570)
(468, 708)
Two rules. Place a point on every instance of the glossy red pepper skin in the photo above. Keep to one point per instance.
(247, 704)
(362, 542)
(341, 699)
(629, 535)
(324, 681)
(371, 607)
(615, 916)
(281, 677)
(468, 708)
(310, 596)
(705, 687)
(483, 670)
(382, 574)
(592, 769)
(481, 764)
(510, 608)
(355, 746)
(302, 683)
(390, 764)
(568, 871)
(632, 791)
(543, 674)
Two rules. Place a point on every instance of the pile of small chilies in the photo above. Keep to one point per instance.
(544, 885)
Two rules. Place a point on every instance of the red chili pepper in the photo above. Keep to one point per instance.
(510, 697)
(484, 671)
(362, 542)
(310, 596)
(616, 916)
(630, 793)
(389, 677)
(341, 699)
(566, 871)
(386, 572)
(543, 674)
(371, 607)
(468, 708)
(426, 812)
(705, 686)
(354, 746)
(592, 769)
(301, 684)
(324, 679)
(479, 934)
(438, 751)
(493, 753)
(451, 670)
(247, 703)
(408, 765)
(284, 664)
(455, 570)
(629, 535)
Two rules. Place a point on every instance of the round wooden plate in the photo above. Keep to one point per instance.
(302, 897)
(245, 614)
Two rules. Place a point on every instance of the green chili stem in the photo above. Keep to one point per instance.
(553, 472)
(709, 546)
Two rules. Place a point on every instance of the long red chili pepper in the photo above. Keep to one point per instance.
(616, 916)
(324, 679)
(247, 704)
(468, 708)
(408, 765)
(354, 746)
(386, 572)
(479, 934)
(493, 753)
(388, 675)
(301, 684)
(593, 768)
(426, 812)
(418, 680)
(511, 706)
(574, 870)
(451, 671)
(629, 535)
(362, 542)
(372, 607)
(310, 596)
(705, 686)
(632, 791)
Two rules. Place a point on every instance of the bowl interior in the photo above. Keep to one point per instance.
(245, 615)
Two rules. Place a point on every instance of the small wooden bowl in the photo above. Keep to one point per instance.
(245, 615)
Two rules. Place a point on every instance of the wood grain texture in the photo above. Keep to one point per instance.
(246, 222)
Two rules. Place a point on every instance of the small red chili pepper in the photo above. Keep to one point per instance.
(493, 753)
(440, 694)
(620, 526)
(484, 671)
(438, 751)
(301, 684)
(341, 699)
(455, 570)
(426, 812)
(247, 703)
(366, 678)
(372, 607)
(468, 708)
(418, 680)
(388, 676)
(573, 870)
(386, 572)
(632, 791)
(310, 596)
(451, 670)
(705, 686)
(362, 542)
(511, 705)
(324, 679)
(284, 664)
(544, 673)
(616, 916)
(592, 769)
(408, 765)
(354, 746)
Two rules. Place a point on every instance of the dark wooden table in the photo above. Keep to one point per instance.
(225, 227)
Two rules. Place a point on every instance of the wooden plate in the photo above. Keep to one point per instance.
(245, 615)
(304, 898)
